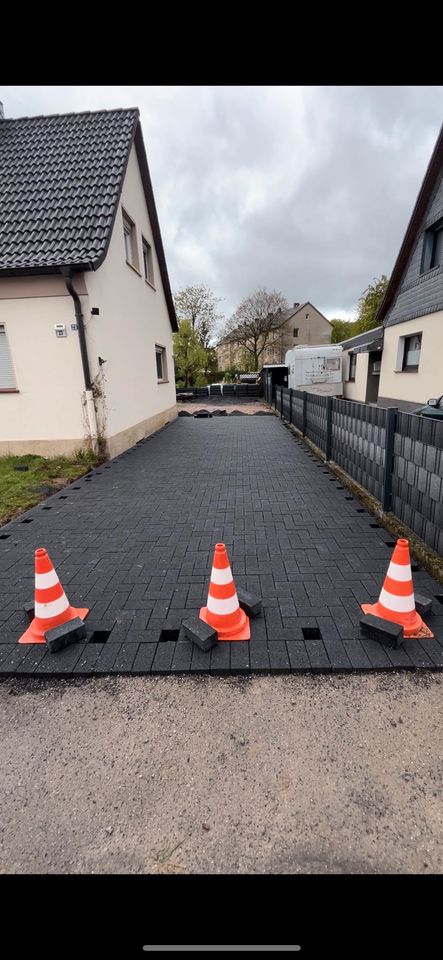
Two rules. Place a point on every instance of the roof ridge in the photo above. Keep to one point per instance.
(71, 113)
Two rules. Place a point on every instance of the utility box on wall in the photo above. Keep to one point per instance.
(60, 330)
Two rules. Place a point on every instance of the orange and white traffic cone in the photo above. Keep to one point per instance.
(51, 607)
(396, 601)
(223, 611)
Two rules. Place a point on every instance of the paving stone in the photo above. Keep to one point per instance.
(65, 635)
(181, 659)
(298, 656)
(199, 633)
(278, 657)
(144, 658)
(63, 663)
(383, 631)
(163, 658)
(141, 533)
(12, 659)
(259, 657)
(318, 656)
(220, 659)
(240, 662)
(201, 660)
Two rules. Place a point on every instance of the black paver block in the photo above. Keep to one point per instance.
(199, 633)
(125, 658)
(14, 657)
(29, 610)
(337, 655)
(65, 634)
(423, 605)
(357, 654)
(250, 604)
(278, 657)
(220, 658)
(433, 650)
(36, 653)
(418, 654)
(86, 663)
(259, 657)
(107, 657)
(163, 658)
(240, 659)
(384, 631)
(181, 659)
(298, 656)
(377, 654)
(399, 658)
(144, 658)
(318, 657)
(201, 660)
(64, 663)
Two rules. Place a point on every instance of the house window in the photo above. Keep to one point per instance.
(432, 255)
(148, 265)
(160, 357)
(295, 332)
(130, 241)
(7, 377)
(352, 366)
(411, 355)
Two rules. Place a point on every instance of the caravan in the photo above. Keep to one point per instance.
(316, 369)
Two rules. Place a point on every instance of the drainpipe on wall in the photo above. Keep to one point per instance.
(90, 406)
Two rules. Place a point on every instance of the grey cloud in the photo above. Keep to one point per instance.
(306, 190)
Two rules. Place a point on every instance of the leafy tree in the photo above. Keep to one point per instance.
(254, 320)
(198, 305)
(189, 355)
(342, 330)
(369, 303)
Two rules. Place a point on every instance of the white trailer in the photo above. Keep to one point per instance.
(316, 369)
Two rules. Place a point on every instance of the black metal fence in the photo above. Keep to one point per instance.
(397, 457)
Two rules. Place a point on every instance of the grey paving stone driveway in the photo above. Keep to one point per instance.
(134, 542)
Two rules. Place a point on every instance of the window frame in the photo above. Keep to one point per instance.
(161, 351)
(352, 360)
(13, 388)
(410, 367)
(129, 230)
(296, 333)
(429, 247)
(149, 270)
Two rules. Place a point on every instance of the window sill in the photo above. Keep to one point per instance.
(150, 284)
(131, 265)
(350, 380)
(162, 381)
(407, 370)
(9, 390)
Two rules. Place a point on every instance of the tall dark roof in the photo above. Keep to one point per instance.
(430, 180)
(61, 178)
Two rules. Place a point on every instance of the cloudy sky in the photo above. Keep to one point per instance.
(306, 190)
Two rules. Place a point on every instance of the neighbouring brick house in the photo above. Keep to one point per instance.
(86, 311)
(412, 308)
(301, 324)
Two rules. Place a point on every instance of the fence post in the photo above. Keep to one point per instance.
(391, 420)
(281, 401)
(305, 412)
(275, 397)
(328, 427)
(290, 404)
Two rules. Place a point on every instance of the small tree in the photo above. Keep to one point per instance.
(369, 303)
(342, 330)
(254, 320)
(198, 305)
(189, 355)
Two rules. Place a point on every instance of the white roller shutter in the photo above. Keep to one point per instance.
(7, 377)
